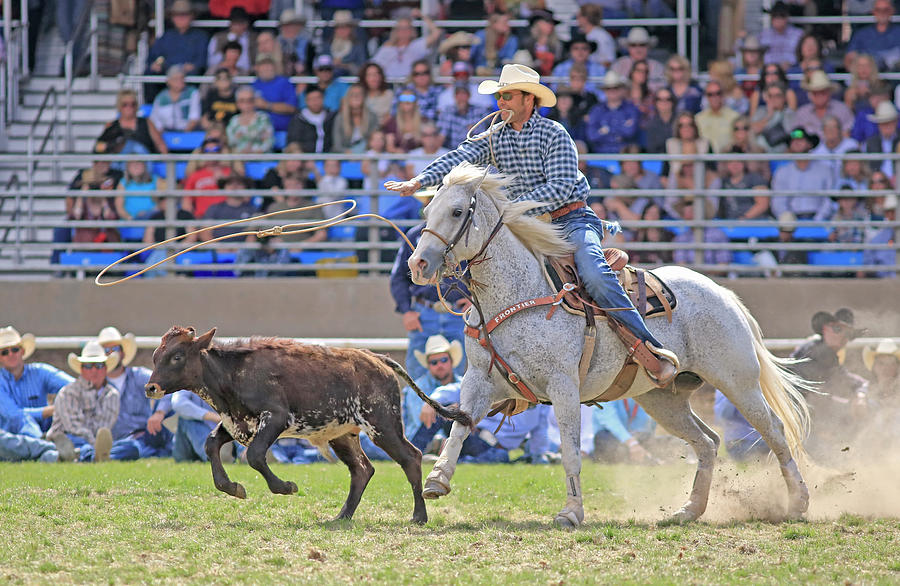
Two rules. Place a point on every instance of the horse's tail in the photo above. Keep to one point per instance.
(451, 413)
(781, 388)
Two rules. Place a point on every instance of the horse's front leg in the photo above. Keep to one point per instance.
(475, 399)
(563, 391)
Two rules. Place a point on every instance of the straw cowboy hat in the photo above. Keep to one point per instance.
(885, 347)
(92, 352)
(885, 112)
(612, 79)
(438, 344)
(343, 18)
(458, 39)
(751, 43)
(842, 316)
(638, 36)
(10, 338)
(522, 78)
(110, 335)
(818, 81)
(521, 57)
(289, 16)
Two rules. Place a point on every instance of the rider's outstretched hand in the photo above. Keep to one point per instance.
(404, 187)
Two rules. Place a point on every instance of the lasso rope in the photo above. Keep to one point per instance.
(285, 230)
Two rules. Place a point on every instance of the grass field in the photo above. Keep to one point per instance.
(156, 521)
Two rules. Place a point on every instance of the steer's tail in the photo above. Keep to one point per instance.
(451, 413)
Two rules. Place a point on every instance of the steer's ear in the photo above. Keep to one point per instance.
(206, 339)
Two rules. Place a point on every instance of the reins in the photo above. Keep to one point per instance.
(285, 230)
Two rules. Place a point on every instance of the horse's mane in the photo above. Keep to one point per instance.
(541, 238)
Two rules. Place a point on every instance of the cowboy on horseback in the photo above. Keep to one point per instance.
(543, 156)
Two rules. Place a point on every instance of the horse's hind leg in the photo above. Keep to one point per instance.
(752, 405)
(475, 399)
(218, 438)
(673, 412)
(347, 448)
(404, 453)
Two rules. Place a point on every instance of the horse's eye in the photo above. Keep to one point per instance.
(457, 212)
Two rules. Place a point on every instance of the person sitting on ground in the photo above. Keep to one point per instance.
(16, 445)
(86, 410)
(196, 419)
(491, 442)
(31, 387)
(138, 431)
(180, 44)
(219, 103)
(623, 432)
(840, 395)
(742, 441)
(238, 31)
(251, 130)
(177, 107)
(883, 361)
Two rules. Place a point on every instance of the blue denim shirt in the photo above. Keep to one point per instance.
(134, 406)
(30, 391)
(412, 404)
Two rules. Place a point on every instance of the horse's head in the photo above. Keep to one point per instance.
(458, 221)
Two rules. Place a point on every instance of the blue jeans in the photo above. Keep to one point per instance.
(446, 324)
(190, 440)
(372, 451)
(295, 451)
(16, 447)
(143, 445)
(585, 231)
(474, 449)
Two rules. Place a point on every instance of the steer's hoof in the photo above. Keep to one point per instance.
(287, 488)
(435, 488)
(567, 520)
(238, 491)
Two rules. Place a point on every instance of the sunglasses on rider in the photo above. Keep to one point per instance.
(90, 365)
(436, 361)
(8, 351)
(507, 96)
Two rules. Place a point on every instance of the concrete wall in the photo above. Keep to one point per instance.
(363, 307)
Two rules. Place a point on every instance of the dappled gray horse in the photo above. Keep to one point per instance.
(712, 333)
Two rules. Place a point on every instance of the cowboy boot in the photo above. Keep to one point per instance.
(660, 364)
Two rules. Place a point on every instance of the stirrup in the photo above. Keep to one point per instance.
(664, 355)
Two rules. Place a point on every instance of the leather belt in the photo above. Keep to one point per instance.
(436, 306)
(558, 213)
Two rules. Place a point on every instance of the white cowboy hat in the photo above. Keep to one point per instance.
(885, 112)
(885, 347)
(638, 36)
(92, 352)
(818, 81)
(458, 39)
(9, 337)
(519, 77)
(612, 79)
(751, 43)
(890, 202)
(109, 335)
(521, 57)
(438, 344)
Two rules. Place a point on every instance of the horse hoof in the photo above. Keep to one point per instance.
(239, 491)
(567, 520)
(683, 515)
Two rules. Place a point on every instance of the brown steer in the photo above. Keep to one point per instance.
(267, 388)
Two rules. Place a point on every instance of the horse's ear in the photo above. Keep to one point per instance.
(205, 340)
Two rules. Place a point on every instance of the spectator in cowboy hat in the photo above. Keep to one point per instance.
(138, 431)
(579, 50)
(638, 43)
(296, 43)
(346, 47)
(30, 387)
(841, 395)
(238, 30)
(887, 139)
(456, 47)
(803, 179)
(616, 122)
(86, 409)
(810, 116)
(179, 45)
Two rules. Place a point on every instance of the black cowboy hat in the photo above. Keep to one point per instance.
(842, 316)
(801, 132)
(579, 38)
(541, 14)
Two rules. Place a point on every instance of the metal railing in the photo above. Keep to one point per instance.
(52, 131)
(13, 188)
(88, 19)
(370, 248)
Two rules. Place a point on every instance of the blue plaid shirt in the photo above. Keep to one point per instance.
(542, 156)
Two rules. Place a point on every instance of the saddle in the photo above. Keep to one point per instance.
(648, 293)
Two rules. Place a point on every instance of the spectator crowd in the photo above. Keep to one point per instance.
(620, 92)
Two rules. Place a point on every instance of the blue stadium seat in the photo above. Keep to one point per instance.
(280, 139)
(310, 257)
(653, 166)
(196, 257)
(612, 166)
(342, 232)
(748, 232)
(88, 258)
(159, 169)
(836, 257)
(257, 169)
(812, 233)
(144, 111)
(183, 141)
(352, 170)
(742, 257)
(774, 164)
